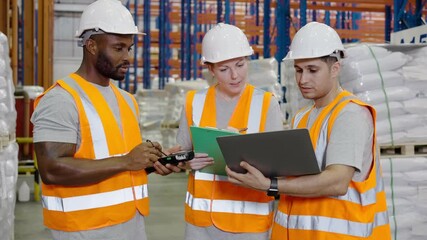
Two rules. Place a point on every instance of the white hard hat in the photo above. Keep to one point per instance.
(110, 16)
(315, 40)
(224, 42)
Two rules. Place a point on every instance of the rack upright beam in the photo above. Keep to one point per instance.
(146, 52)
(266, 33)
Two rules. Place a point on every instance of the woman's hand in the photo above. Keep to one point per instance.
(199, 161)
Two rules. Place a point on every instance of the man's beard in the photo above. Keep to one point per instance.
(106, 68)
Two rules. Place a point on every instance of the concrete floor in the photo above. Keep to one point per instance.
(166, 220)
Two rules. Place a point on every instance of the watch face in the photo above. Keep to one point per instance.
(273, 192)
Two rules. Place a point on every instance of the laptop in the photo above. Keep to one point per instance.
(275, 154)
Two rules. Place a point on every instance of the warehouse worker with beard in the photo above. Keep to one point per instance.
(347, 199)
(87, 138)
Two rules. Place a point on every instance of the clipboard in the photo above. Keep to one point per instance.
(204, 141)
(275, 154)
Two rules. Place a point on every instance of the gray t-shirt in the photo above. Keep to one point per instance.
(351, 139)
(56, 118)
(224, 111)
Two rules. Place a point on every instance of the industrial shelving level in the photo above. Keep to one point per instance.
(172, 46)
(175, 30)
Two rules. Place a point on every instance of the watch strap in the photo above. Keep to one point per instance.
(273, 190)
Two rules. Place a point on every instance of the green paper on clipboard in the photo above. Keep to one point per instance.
(204, 141)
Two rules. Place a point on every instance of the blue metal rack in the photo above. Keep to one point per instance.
(227, 12)
(283, 40)
(164, 43)
(303, 12)
(266, 24)
(198, 16)
(195, 40)
(186, 40)
(407, 16)
(146, 47)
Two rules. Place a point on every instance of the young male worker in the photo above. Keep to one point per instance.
(347, 199)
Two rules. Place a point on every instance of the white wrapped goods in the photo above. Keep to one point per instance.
(8, 148)
(393, 79)
(405, 184)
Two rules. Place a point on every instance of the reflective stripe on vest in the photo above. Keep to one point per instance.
(366, 198)
(99, 139)
(322, 140)
(334, 225)
(199, 100)
(255, 111)
(228, 206)
(300, 114)
(209, 176)
(94, 200)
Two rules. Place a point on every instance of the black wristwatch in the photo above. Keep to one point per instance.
(273, 191)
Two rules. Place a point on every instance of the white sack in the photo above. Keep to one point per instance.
(383, 109)
(404, 164)
(263, 77)
(398, 123)
(362, 52)
(398, 179)
(418, 52)
(354, 69)
(373, 81)
(416, 105)
(397, 137)
(393, 94)
(418, 87)
(415, 73)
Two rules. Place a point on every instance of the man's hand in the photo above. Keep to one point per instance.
(253, 178)
(168, 168)
(143, 156)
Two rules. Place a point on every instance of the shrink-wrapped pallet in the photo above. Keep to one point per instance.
(405, 184)
(393, 80)
(8, 146)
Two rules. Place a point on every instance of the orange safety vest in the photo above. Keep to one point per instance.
(359, 214)
(111, 201)
(211, 199)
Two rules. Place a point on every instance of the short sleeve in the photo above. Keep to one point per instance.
(55, 118)
(351, 140)
(274, 120)
(183, 136)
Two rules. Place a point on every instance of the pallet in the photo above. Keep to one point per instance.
(407, 149)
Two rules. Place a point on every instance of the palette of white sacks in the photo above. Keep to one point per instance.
(8, 146)
(393, 79)
(405, 182)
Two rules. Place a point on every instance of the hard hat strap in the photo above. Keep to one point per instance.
(337, 54)
(87, 34)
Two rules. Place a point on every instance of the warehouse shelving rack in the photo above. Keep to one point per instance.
(29, 27)
(172, 47)
(181, 25)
